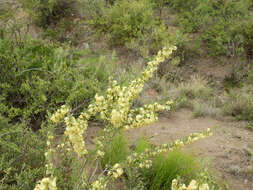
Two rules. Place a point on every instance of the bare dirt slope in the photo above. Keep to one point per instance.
(229, 149)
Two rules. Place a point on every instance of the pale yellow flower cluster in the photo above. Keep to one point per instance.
(49, 154)
(146, 164)
(59, 114)
(115, 107)
(100, 153)
(145, 115)
(140, 160)
(116, 171)
(74, 130)
(46, 184)
(99, 184)
(194, 185)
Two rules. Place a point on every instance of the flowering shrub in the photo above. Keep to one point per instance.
(115, 109)
(194, 185)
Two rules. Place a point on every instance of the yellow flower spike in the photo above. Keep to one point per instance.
(193, 185)
(120, 171)
(114, 107)
(170, 102)
(59, 114)
(46, 184)
(204, 187)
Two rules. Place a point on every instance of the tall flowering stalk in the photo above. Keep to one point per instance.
(194, 185)
(115, 108)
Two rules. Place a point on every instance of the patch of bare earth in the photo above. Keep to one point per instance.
(229, 149)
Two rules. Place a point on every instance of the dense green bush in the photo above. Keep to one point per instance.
(246, 30)
(46, 12)
(215, 20)
(187, 48)
(125, 20)
(38, 77)
(181, 5)
(216, 38)
(250, 75)
(190, 20)
(133, 24)
(22, 161)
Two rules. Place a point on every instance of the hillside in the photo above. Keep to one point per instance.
(78, 83)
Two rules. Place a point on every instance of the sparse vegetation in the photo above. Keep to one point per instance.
(204, 109)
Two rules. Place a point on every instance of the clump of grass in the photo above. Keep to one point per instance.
(205, 109)
(142, 144)
(169, 166)
(116, 151)
(196, 87)
(240, 103)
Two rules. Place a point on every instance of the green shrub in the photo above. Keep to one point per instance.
(181, 5)
(239, 103)
(216, 38)
(246, 30)
(38, 77)
(5, 12)
(215, 21)
(125, 20)
(186, 47)
(22, 161)
(250, 75)
(91, 9)
(168, 167)
(47, 12)
(131, 24)
(231, 9)
(116, 151)
(200, 13)
(191, 21)
(150, 42)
